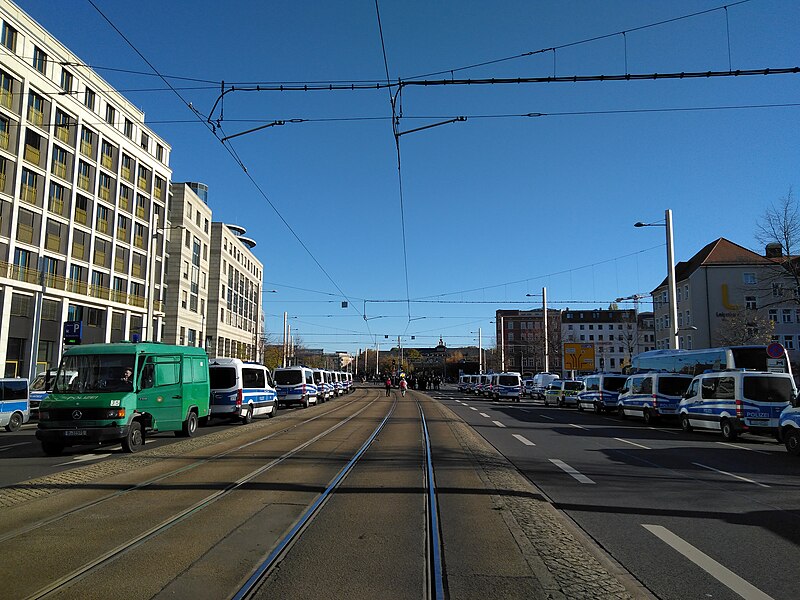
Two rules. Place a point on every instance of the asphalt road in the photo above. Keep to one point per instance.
(690, 515)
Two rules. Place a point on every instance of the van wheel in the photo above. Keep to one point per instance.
(597, 408)
(728, 432)
(685, 425)
(648, 417)
(621, 413)
(791, 438)
(15, 422)
(189, 426)
(134, 441)
(273, 412)
(305, 403)
(248, 416)
(52, 448)
(580, 406)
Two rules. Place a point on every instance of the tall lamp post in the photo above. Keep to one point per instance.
(673, 302)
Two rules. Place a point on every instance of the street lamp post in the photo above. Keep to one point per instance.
(673, 302)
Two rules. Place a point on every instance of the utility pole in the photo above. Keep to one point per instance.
(377, 357)
(673, 303)
(480, 352)
(285, 336)
(544, 319)
(37, 321)
(502, 347)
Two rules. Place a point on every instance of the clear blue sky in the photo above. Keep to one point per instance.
(487, 201)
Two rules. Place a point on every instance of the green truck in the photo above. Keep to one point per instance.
(123, 391)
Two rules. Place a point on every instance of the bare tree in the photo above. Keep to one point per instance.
(744, 327)
(780, 225)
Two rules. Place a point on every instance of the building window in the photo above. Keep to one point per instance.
(39, 59)
(678, 294)
(680, 319)
(788, 342)
(9, 37)
(57, 195)
(111, 114)
(145, 143)
(89, 98)
(786, 315)
(67, 80)
(129, 128)
(160, 152)
(750, 303)
(777, 290)
(749, 278)
(688, 318)
(773, 315)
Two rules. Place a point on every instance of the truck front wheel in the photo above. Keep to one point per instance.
(189, 426)
(134, 441)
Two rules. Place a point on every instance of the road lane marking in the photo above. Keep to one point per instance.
(545, 417)
(472, 408)
(484, 415)
(83, 458)
(632, 443)
(578, 426)
(725, 576)
(498, 423)
(10, 446)
(743, 448)
(571, 471)
(523, 439)
(731, 475)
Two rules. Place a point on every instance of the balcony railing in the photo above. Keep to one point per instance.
(6, 98)
(25, 233)
(52, 243)
(125, 203)
(102, 225)
(119, 264)
(140, 212)
(107, 161)
(136, 270)
(29, 193)
(84, 183)
(143, 183)
(138, 241)
(60, 169)
(87, 148)
(32, 154)
(105, 193)
(78, 251)
(57, 207)
(126, 173)
(62, 133)
(35, 116)
(100, 258)
(2, 182)
(80, 216)
(158, 193)
(4, 140)
(122, 234)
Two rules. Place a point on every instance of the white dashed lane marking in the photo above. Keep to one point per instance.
(484, 415)
(498, 423)
(632, 443)
(524, 440)
(731, 475)
(578, 426)
(571, 471)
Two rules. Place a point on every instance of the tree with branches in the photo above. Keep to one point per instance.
(778, 230)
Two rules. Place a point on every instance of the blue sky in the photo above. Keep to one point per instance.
(548, 200)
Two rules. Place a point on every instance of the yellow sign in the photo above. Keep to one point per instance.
(579, 357)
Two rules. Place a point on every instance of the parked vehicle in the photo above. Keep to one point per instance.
(540, 383)
(323, 392)
(737, 401)
(121, 392)
(463, 382)
(295, 385)
(506, 385)
(14, 403)
(527, 387)
(240, 390)
(600, 392)
(562, 392)
(789, 427)
(651, 396)
(42, 386)
(484, 382)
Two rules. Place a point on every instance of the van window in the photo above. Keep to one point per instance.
(253, 378)
(508, 380)
(309, 377)
(719, 388)
(288, 377)
(14, 389)
(199, 368)
(643, 385)
(222, 378)
(41, 382)
(592, 384)
(88, 373)
(573, 385)
(767, 389)
(168, 370)
(613, 384)
(672, 386)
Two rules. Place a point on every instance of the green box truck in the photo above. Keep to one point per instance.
(123, 391)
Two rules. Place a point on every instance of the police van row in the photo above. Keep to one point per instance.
(732, 390)
(123, 392)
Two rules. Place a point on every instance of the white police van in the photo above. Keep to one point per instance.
(322, 379)
(506, 385)
(42, 386)
(540, 383)
(789, 427)
(600, 392)
(295, 385)
(737, 401)
(14, 403)
(240, 390)
(652, 395)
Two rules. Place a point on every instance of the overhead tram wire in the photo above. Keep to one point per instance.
(227, 147)
(577, 42)
(396, 134)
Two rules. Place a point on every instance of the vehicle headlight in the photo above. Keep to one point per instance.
(115, 413)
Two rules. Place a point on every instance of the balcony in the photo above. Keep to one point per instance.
(25, 233)
(125, 203)
(78, 251)
(102, 225)
(158, 193)
(122, 234)
(105, 193)
(140, 212)
(107, 161)
(80, 216)
(119, 264)
(57, 207)
(136, 270)
(29, 193)
(6, 99)
(35, 116)
(4, 140)
(84, 183)
(87, 148)
(100, 259)
(62, 133)
(126, 173)
(138, 241)
(98, 291)
(60, 169)
(32, 155)
(142, 183)
(52, 243)
(2, 182)
(76, 286)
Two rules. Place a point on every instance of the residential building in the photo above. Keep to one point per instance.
(726, 286)
(611, 336)
(520, 340)
(646, 327)
(186, 300)
(234, 296)
(83, 189)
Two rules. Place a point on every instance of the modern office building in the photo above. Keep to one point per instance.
(83, 192)
(187, 277)
(234, 296)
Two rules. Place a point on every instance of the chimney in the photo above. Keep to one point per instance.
(773, 250)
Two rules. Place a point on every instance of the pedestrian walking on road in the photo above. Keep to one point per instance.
(388, 385)
(403, 386)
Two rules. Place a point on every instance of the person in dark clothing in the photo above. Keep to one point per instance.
(388, 385)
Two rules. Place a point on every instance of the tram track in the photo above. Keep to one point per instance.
(64, 582)
(164, 476)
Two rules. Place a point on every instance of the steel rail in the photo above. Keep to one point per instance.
(435, 571)
(17, 532)
(111, 555)
(255, 580)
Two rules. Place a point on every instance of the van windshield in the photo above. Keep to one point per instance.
(508, 380)
(573, 385)
(764, 388)
(41, 382)
(288, 377)
(318, 377)
(222, 378)
(613, 384)
(673, 386)
(95, 373)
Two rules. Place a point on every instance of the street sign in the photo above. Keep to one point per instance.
(73, 333)
(579, 357)
(775, 350)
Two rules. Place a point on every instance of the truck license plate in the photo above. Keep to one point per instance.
(75, 433)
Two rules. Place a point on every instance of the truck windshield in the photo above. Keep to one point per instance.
(93, 373)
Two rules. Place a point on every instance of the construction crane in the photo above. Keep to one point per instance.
(635, 298)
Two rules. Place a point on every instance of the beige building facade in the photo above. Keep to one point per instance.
(83, 183)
